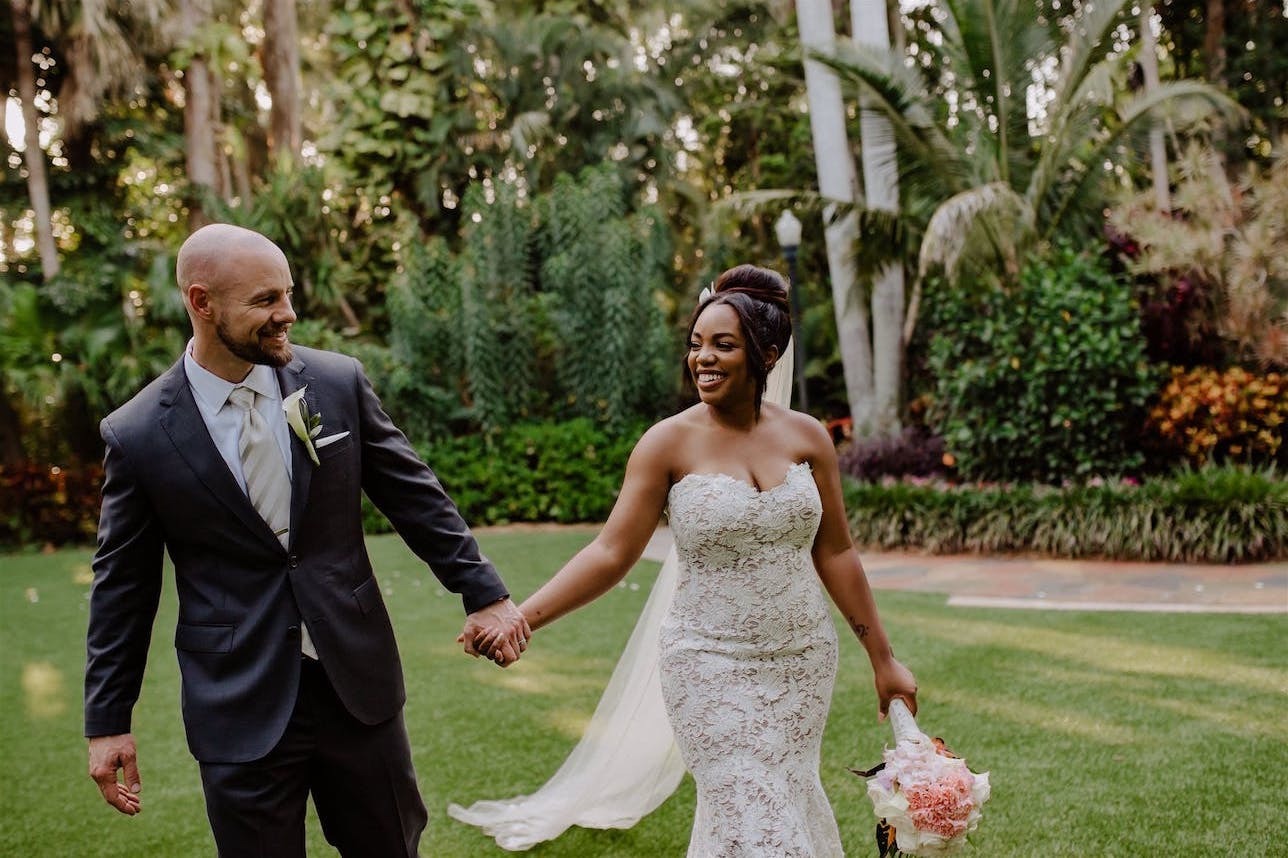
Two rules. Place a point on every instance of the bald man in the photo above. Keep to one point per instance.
(291, 678)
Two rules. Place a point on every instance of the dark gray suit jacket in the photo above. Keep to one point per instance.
(241, 594)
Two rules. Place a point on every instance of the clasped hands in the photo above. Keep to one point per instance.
(498, 631)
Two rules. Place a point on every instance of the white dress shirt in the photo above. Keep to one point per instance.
(224, 421)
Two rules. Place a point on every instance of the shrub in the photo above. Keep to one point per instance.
(1210, 415)
(49, 504)
(1047, 381)
(548, 472)
(1213, 515)
(914, 452)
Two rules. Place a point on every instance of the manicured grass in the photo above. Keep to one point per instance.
(1107, 734)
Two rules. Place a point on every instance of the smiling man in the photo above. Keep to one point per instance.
(292, 684)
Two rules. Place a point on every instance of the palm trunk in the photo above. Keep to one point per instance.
(1157, 146)
(881, 184)
(198, 127)
(837, 181)
(281, 61)
(33, 155)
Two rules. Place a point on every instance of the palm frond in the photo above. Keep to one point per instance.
(989, 220)
(899, 93)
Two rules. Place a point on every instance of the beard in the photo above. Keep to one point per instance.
(251, 350)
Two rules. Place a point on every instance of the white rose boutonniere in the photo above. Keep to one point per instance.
(307, 427)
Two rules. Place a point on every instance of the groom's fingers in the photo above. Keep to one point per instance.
(109, 755)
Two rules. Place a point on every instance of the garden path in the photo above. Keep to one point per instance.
(1088, 585)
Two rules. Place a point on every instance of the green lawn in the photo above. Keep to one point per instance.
(1107, 734)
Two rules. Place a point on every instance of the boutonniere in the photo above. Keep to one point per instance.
(307, 427)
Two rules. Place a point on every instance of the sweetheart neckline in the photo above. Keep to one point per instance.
(718, 474)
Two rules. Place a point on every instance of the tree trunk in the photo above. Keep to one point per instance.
(837, 181)
(870, 24)
(198, 128)
(33, 155)
(280, 56)
(10, 432)
(1214, 40)
(1157, 146)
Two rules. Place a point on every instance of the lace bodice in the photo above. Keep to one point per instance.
(742, 549)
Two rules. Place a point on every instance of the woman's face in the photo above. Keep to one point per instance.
(718, 361)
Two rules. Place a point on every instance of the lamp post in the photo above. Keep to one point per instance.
(788, 230)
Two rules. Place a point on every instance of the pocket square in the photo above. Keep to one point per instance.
(330, 439)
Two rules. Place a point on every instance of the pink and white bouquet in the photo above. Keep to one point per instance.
(926, 798)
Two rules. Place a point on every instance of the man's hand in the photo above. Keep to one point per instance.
(109, 755)
(498, 631)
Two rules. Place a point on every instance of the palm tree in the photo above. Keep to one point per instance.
(838, 184)
(985, 177)
(870, 26)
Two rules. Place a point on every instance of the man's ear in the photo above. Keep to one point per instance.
(198, 300)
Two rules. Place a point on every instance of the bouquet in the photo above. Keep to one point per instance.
(926, 798)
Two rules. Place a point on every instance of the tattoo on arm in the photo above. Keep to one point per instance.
(860, 629)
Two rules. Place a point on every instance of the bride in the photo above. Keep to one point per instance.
(744, 654)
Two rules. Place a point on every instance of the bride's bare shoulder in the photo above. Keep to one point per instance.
(804, 434)
(659, 446)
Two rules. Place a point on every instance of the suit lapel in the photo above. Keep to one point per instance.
(291, 378)
(182, 421)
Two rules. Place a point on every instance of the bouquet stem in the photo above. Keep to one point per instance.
(904, 725)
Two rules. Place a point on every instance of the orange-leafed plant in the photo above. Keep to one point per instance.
(1213, 415)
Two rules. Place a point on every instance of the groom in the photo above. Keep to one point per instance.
(290, 673)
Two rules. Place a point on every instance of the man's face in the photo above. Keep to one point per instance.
(252, 311)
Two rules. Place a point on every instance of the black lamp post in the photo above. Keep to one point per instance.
(788, 230)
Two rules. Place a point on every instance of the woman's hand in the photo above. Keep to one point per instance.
(893, 680)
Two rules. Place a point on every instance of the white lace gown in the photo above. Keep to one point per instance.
(748, 660)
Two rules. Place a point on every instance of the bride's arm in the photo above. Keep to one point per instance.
(841, 571)
(597, 567)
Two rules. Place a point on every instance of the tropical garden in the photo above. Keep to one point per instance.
(1039, 282)
(1041, 302)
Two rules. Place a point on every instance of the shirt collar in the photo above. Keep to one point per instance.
(212, 391)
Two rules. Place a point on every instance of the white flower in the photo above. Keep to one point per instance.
(305, 426)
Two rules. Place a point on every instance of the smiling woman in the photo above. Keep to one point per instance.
(746, 651)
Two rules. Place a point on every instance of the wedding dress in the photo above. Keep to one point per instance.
(627, 762)
(748, 660)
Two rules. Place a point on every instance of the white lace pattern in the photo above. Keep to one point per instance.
(748, 661)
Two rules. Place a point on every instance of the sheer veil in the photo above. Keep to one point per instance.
(627, 762)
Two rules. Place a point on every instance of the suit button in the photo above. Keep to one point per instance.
(292, 631)
(293, 561)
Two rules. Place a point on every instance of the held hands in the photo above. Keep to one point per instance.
(498, 631)
(109, 755)
(894, 680)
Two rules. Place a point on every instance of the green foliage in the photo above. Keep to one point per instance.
(498, 304)
(1047, 381)
(424, 391)
(537, 472)
(1214, 515)
(611, 342)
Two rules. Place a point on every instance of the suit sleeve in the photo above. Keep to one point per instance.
(411, 497)
(124, 597)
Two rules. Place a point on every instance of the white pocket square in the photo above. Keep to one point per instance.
(330, 439)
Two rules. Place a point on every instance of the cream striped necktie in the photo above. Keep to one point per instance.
(267, 484)
(262, 465)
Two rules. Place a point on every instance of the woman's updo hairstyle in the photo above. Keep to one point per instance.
(759, 297)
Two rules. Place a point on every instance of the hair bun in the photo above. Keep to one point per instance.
(763, 284)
